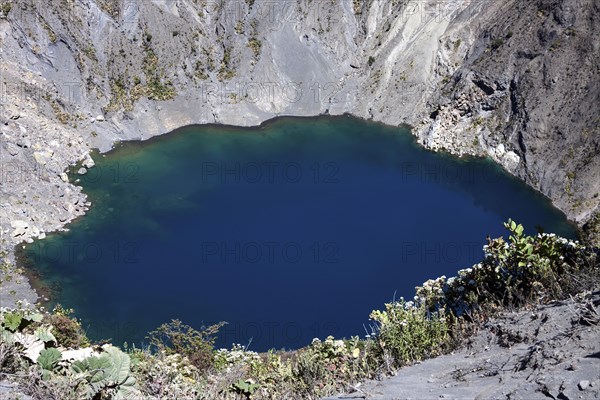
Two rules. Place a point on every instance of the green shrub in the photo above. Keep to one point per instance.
(496, 43)
(255, 45)
(66, 329)
(5, 8)
(166, 376)
(239, 28)
(10, 359)
(226, 71)
(178, 338)
(407, 332)
(457, 44)
(157, 90)
(325, 366)
(29, 344)
(516, 272)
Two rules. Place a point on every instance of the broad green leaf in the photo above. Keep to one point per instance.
(519, 230)
(43, 333)
(7, 336)
(128, 392)
(49, 358)
(120, 363)
(46, 374)
(529, 249)
(93, 389)
(93, 364)
(12, 321)
(130, 381)
(34, 317)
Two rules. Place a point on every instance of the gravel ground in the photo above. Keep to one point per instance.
(550, 352)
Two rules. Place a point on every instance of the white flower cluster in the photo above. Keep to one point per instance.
(21, 305)
(407, 305)
(438, 290)
(432, 289)
(566, 242)
(330, 341)
(435, 285)
(330, 346)
(237, 355)
(173, 375)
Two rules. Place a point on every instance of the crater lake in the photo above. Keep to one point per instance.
(293, 230)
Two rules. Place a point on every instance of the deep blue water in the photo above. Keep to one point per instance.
(294, 230)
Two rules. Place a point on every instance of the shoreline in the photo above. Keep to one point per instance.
(34, 277)
(45, 292)
(271, 121)
(411, 131)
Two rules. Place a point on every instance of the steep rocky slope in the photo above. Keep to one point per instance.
(550, 352)
(530, 83)
(517, 81)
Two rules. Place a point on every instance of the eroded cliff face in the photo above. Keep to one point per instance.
(529, 84)
(514, 80)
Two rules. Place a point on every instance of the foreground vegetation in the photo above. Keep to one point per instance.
(48, 355)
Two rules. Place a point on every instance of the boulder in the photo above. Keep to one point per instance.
(24, 143)
(511, 160)
(20, 227)
(12, 149)
(42, 157)
(500, 150)
(88, 162)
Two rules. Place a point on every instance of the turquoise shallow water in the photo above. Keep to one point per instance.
(294, 230)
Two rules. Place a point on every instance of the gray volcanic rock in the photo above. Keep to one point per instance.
(530, 83)
(549, 352)
(517, 81)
